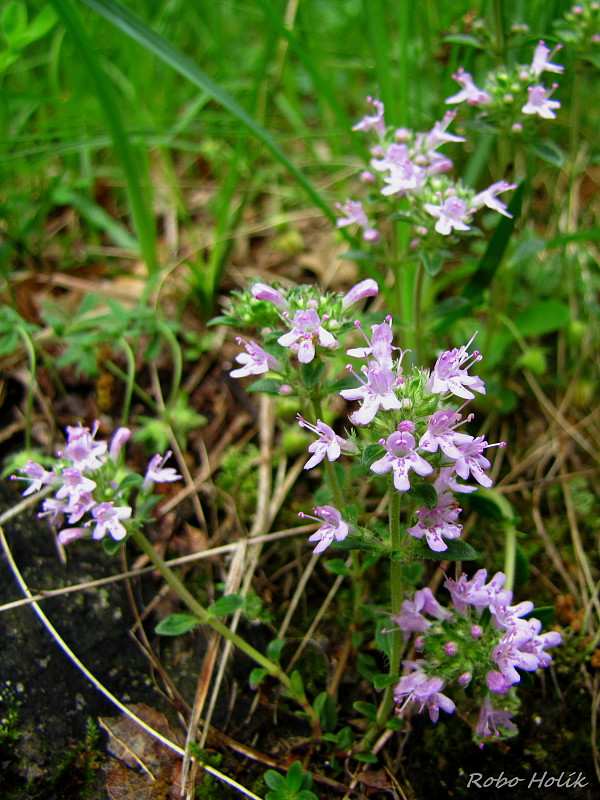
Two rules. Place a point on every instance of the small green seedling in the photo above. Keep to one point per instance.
(295, 786)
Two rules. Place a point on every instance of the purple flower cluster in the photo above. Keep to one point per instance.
(83, 479)
(460, 649)
(506, 90)
(427, 445)
(410, 165)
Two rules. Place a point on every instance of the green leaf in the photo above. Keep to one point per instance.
(368, 758)
(338, 567)
(347, 382)
(293, 779)
(382, 681)
(457, 551)
(464, 38)
(274, 780)
(395, 724)
(176, 624)
(544, 317)
(297, 683)
(425, 493)
(226, 605)
(256, 676)
(111, 547)
(326, 711)
(311, 373)
(14, 20)
(369, 710)
(274, 649)
(549, 152)
(133, 168)
(266, 386)
(370, 454)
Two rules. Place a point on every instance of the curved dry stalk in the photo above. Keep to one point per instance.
(100, 686)
(173, 562)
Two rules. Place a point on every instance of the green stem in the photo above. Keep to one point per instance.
(130, 380)
(206, 618)
(510, 554)
(177, 362)
(26, 338)
(396, 593)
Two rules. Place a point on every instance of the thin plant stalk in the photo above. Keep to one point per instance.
(206, 618)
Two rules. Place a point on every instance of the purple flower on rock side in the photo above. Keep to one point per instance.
(108, 518)
(328, 444)
(374, 121)
(401, 456)
(36, 475)
(418, 687)
(306, 327)
(75, 485)
(120, 437)
(490, 719)
(451, 214)
(332, 527)
(156, 472)
(354, 214)
(539, 102)
(469, 91)
(508, 655)
(450, 373)
(377, 392)
(255, 361)
(82, 450)
(438, 523)
(366, 288)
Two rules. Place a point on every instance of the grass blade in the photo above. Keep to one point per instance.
(138, 30)
(134, 177)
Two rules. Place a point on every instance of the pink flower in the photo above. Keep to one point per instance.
(354, 214)
(541, 60)
(255, 361)
(333, 527)
(539, 102)
(441, 432)
(373, 121)
(451, 215)
(366, 288)
(377, 392)
(37, 476)
(328, 444)
(489, 197)
(472, 460)
(81, 449)
(306, 327)
(421, 688)
(400, 457)
(438, 523)
(157, 473)
(379, 346)
(108, 520)
(490, 719)
(450, 373)
(469, 92)
(262, 291)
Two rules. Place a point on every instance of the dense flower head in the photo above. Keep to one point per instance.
(461, 646)
(84, 480)
(511, 96)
